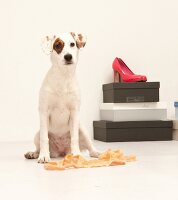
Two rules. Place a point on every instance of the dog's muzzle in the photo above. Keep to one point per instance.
(68, 58)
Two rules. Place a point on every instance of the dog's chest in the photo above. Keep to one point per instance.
(65, 100)
(60, 109)
(63, 97)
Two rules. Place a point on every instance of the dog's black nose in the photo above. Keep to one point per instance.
(68, 57)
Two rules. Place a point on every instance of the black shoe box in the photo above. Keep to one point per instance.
(131, 92)
(109, 131)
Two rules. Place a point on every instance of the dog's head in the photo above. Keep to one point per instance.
(64, 48)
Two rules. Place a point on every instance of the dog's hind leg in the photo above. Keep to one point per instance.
(86, 143)
(34, 154)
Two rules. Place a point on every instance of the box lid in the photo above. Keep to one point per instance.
(133, 124)
(133, 106)
(133, 85)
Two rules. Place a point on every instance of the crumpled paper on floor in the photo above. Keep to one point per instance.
(108, 158)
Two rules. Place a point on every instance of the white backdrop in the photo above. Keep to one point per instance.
(144, 33)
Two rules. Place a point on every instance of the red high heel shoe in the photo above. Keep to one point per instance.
(124, 73)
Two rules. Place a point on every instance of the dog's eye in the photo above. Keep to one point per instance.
(58, 46)
(72, 44)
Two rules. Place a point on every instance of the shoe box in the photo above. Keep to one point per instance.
(108, 131)
(132, 112)
(131, 92)
(176, 109)
(175, 129)
(175, 122)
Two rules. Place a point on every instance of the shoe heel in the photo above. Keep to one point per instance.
(115, 76)
(119, 77)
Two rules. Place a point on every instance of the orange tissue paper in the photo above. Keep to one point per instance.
(108, 158)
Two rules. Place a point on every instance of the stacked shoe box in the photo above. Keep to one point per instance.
(175, 122)
(132, 112)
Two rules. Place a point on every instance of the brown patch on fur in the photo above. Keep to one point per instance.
(79, 40)
(58, 45)
(80, 37)
(73, 34)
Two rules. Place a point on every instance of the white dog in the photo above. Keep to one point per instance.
(59, 102)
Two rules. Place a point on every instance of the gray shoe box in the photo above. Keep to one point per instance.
(131, 92)
(109, 131)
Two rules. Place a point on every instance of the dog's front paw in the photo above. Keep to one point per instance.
(95, 154)
(75, 153)
(43, 158)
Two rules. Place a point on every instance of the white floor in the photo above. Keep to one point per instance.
(153, 176)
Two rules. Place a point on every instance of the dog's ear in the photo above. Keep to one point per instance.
(80, 39)
(47, 44)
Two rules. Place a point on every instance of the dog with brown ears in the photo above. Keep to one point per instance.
(61, 131)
